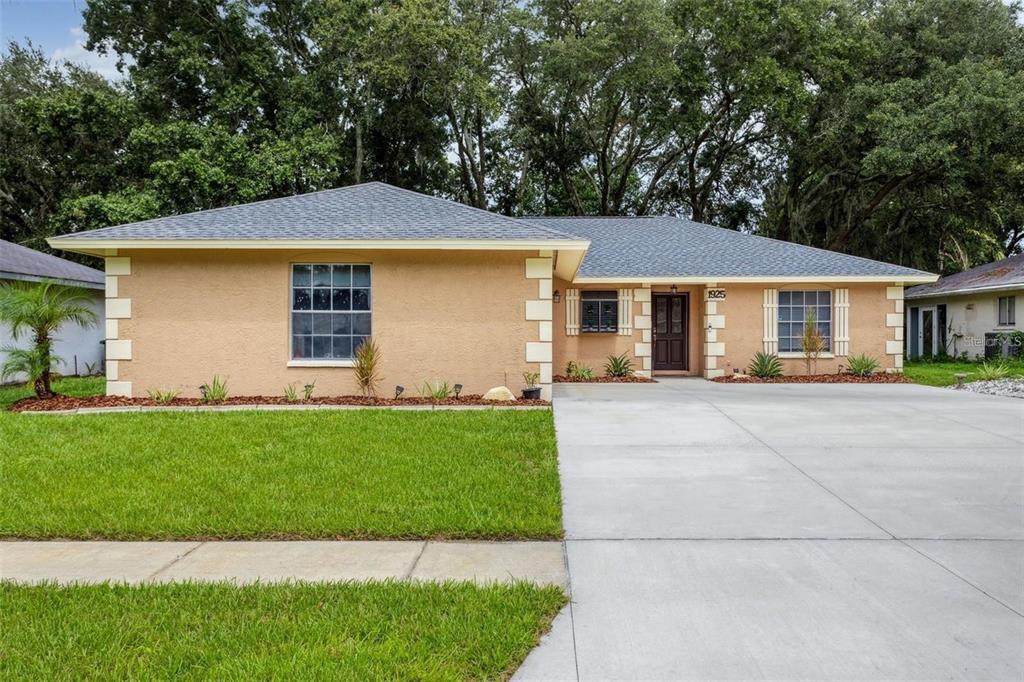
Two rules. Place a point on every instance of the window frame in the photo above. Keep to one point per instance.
(829, 350)
(292, 361)
(610, 296)
(1010, 319)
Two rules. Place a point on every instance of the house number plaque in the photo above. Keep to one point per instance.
(715, 295)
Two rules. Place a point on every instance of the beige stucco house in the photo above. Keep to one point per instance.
(281, 291)
(971, 312)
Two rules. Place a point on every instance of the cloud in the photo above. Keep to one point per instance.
(105, 65)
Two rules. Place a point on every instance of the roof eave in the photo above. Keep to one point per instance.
(107, 247)
(966, 291)
(893, 280)
(66, 281)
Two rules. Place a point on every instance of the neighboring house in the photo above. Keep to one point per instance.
(77, 346)
(281, 291)
(970, 312)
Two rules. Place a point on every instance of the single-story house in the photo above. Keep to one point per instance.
(281, 291)
(80, 348)
(970, 312)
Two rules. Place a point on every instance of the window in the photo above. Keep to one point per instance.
(1007, 314)
(330, 310)
(600, 311)
(794, 307)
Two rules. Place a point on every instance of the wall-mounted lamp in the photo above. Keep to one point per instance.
(398, 391)
(457, 388)
(557, 295)
(673, 289)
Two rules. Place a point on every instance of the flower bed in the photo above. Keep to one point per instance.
(880, 378)
(66, 402)
(631, 379)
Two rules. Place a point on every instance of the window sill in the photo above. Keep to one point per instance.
(321, 363)
(801, 356)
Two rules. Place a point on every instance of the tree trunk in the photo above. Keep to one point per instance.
(358, 170)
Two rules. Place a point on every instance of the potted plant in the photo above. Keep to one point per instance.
(532, 390)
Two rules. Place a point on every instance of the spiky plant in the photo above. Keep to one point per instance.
(618, 366)
(765, 366)
(38, 310)
(367, 373)
(862, 365)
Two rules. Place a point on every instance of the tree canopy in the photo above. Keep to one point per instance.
(891, 129)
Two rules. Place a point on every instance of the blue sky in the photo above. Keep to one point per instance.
(55, 26)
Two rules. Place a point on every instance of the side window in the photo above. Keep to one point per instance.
(599, 311)
(330, 309)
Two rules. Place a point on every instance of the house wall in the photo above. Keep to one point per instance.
(970, 317)
(76, 346)
(875, 325)
(177, 318)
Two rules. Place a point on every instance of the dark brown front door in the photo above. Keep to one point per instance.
(670, 331)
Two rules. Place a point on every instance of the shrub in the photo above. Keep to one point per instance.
(990, 371)
(290, 394)
(812, 340)
(765, 366)
(531, 379)
(164, 397)
(216, 391)
(438, 391)
(862, 365)
(578, 371)
(618, 366)
(366, 360)
(307, 390)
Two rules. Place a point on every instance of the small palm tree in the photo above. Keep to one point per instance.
(40, 309)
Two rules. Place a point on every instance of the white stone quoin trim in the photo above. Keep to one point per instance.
(894, 321)
(713, 348)
(118, 350)
(642, 350)
(842, 315)
(572, 312)
(771, 321)
(541, 311)
(625, 312)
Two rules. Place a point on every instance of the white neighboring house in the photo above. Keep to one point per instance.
(972, 311)
(78, 346)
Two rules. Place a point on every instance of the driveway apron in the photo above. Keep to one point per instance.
(720, 531)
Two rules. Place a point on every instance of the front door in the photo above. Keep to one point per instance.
(670, 331)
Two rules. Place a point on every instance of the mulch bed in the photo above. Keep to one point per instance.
(881, 378)
(632, 379)
(65, 402)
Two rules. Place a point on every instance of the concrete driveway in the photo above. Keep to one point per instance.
(788, 532)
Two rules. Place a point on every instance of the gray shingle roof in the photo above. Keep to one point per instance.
(19, 262)
(673, 247)
(1002, 274)
(372, 210)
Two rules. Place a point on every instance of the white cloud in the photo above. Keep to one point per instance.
(105, 65)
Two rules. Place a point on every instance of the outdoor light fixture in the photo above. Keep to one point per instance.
(457, 388)
(557, 295)
(398, 391)
(674, 290)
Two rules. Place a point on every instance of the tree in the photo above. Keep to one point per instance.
(40, 309)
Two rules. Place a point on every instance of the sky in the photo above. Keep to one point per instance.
(54, 26)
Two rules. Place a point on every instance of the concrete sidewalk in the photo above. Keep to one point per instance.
(242, 562)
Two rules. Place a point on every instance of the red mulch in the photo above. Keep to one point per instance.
(881, 378)
(631, 379)
(65, 402)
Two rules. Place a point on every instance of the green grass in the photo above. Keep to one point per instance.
(943, 373)
(77, 386)
(350, 631)
(315, 474)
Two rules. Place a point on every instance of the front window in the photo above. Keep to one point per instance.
(330, 307)
(1007, 314)
(600, 311)
(795, 307)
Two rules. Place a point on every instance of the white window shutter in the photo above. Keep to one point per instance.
(625, 312)
(842, 322)
(771, 321)
(572, 312)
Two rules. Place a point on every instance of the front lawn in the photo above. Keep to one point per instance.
(944, 373)
(309, 474)
(369, 631)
